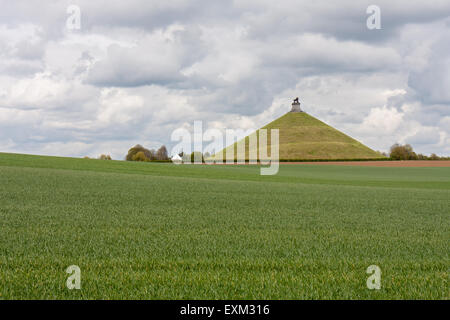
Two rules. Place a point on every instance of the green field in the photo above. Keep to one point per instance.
(161, 231)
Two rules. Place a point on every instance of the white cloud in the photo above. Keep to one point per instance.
(138, 70)
(382, 120)
(116, 106)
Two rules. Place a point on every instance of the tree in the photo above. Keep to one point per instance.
(152, 154)
(433, 156)
(421, 156)
(162, 154)
(405, 152)
(138, 148)
(140, 156)
(198, 155)
(186, 157)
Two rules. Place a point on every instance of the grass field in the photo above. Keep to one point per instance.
(160, 231)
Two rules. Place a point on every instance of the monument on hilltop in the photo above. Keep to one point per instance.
(296, 106)
(304, 137)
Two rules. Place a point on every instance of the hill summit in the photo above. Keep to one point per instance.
(303, 137)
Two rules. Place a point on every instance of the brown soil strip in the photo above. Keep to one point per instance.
(414, 163)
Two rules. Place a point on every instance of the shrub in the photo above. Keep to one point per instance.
(105, 157)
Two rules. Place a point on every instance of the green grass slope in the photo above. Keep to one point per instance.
(158, 231)
(303, 137)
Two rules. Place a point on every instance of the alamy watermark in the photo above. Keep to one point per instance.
(374, 20)
(374, 281)
(74, 280)
(257, 142)
(73, 22)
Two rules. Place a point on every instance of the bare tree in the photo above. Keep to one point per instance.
(162, 154)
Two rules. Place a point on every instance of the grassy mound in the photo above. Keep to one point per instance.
(303, 137)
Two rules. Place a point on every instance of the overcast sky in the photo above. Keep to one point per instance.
(137, 70)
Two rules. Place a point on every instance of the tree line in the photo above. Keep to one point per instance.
(406, 152)
(139, 153)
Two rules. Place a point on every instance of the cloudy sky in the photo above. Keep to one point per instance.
(136, 70)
